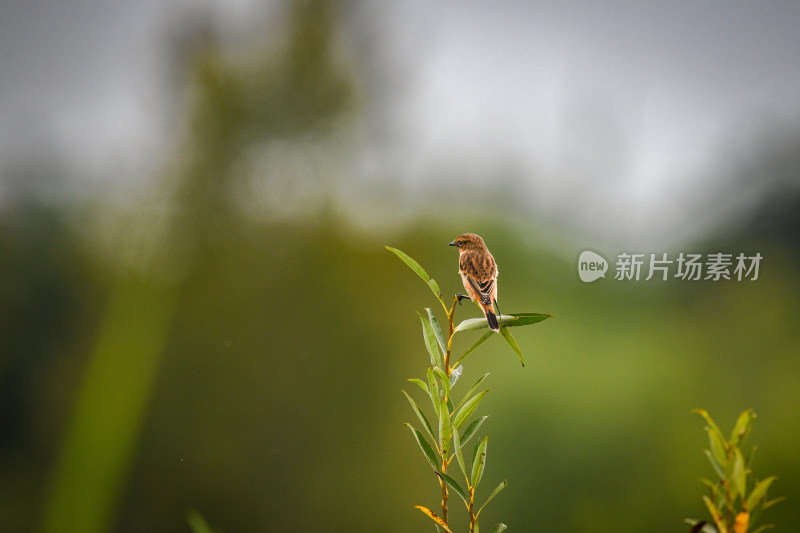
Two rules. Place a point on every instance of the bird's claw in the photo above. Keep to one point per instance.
(461, 296)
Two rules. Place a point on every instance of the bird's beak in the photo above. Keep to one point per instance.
(453, 243)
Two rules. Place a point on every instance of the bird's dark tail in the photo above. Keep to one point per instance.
(492, 320)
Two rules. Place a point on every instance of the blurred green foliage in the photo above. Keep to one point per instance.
(270, 402)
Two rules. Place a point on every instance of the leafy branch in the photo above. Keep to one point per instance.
(433, 331)
(453, 429)
(736, 498)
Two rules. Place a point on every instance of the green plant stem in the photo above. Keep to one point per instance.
(444, 492)
(447, 371)
(472, 518)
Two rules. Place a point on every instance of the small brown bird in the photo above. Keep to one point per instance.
(479, 273)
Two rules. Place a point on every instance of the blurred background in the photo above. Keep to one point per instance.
(197, 311)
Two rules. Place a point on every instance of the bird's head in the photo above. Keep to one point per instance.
(468, 241)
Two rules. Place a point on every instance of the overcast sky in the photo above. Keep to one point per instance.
(620, 109)
(624, 111)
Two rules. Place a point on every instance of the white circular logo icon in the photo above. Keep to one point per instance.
(591, 266)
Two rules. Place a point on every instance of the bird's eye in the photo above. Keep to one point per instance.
(459, 243)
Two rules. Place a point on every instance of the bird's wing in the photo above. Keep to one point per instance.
(481, 272)
(483, 288)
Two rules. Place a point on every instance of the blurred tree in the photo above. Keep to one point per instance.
(186, 247)
(299, 92)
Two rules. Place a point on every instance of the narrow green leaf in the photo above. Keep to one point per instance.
(430, 342)
(715, 465)
(443, 379)
(739, 474)
(413, 265)
(472, 390)
(472, 428)
(772, 502)
(712, 508)
(711, 424)
(764, 528)
(455, 374)
(513, 320)
(433, 516)
(434, 387)
(468, 408)
(480, 341)
(430, 455)
(435, 288)
(471, 324)
(530, 318)
(452, 483)
(421, 384)
(420, 414)
(718, 448)
(459, 454)
(503, 484)
(512, 342)
(499, 528)
(479, 462)
(742, 427)
(758, 493)
(437, 330)
(522, 319)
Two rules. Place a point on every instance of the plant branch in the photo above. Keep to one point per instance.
(444, 491)
(437, 388)
(473, 520)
